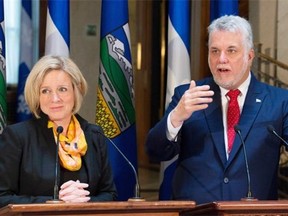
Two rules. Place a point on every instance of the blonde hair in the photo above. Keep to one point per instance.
(44, 66)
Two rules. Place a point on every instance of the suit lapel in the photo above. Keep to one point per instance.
(253, 102)
(214, 119)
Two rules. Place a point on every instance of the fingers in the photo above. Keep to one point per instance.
(197, 95)
(74, 191)
(75, 199)
(67, 184)
(192, 84)
(194, 88)
(194, 99)
(74, 183)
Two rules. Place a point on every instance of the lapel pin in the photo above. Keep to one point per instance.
(258, 100)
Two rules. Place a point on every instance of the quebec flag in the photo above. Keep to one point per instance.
(58, 28)
(115, 111)
(178, 73)
(223, 7)
(3, 93)
(179, 64)
(26, 56)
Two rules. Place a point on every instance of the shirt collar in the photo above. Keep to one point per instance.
(243, 87)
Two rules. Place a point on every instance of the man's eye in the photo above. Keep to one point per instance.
(231, 51)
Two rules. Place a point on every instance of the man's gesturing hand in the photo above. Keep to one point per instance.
(194, 99)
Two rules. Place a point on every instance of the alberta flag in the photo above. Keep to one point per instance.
(178, 72)
(26, 56)
(115, 111)
(58, 28)
(3, 104)
(223, 7)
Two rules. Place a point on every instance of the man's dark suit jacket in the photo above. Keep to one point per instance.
(27, 163)
(203, 173)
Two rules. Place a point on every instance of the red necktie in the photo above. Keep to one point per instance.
(233, 115)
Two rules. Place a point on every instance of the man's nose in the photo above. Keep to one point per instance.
(223, 57)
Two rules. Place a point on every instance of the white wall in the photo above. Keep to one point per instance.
(269, 20)
(282, 37)
(263, 18)
(85, 49)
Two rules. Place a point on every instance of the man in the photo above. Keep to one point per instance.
(197, 124)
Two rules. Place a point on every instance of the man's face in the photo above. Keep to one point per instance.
(229, 60)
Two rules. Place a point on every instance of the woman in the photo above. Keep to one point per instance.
(54, 92)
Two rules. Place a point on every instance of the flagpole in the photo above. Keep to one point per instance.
(3, 90)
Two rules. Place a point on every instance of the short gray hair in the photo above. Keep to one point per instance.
(233, 23)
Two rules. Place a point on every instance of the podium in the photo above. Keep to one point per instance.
(242, 208)
(135, 208)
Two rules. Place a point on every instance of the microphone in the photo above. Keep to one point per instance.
(271, 129)
(55, 199)
(249, 196)
(137, 196)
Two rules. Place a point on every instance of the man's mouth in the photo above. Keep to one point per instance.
(223, 70)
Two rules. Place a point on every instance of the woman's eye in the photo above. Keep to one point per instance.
(62, 89)
(45, 91)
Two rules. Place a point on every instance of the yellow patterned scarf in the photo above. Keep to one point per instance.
(72, 146)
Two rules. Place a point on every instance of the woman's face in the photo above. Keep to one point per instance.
(57, 97)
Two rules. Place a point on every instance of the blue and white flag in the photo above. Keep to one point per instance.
(58, 28)
(115, 110)
(219, 8)
(3, 91)
(26, 58)
(178, 73)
